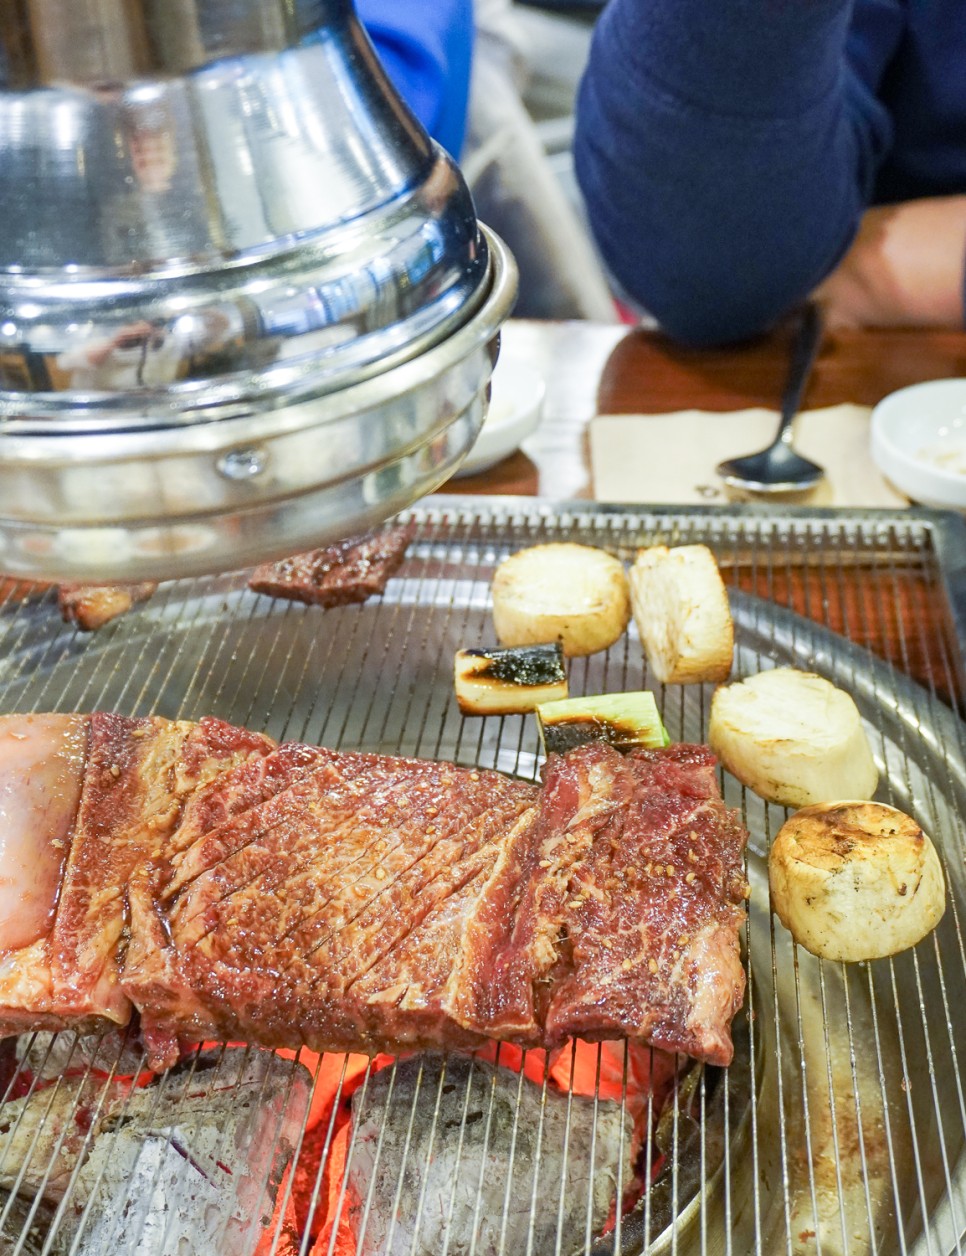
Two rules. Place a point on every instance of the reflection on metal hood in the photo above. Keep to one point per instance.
(245, 304)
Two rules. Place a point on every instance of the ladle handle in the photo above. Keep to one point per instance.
(808, 338)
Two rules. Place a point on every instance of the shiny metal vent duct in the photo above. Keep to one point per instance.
(245, 304)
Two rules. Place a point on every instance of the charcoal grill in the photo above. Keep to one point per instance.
(841, 1126)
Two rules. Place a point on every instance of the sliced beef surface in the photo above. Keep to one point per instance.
(228, 888)
(275, 917)
(139, 772)
(519, 934)
(655, 913)
(136, 777)
(350, 570)
(618, 912)
(387, 904)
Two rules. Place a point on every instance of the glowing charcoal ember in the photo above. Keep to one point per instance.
(588, 1068)
(195, 1157)
(452, 1125)
(642, 1076)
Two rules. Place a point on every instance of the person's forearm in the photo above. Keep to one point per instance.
(725, 155)
(905, 268)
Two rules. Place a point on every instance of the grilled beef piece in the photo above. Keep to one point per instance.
(351, 570)
(664, 904)
(333, 911)
(91, 606)
(618, 912)
(445, 1154)
(344, 901)
(390, 904)
(88, 799)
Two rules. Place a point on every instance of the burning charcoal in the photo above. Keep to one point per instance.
(47, 1055)
(25, 1229)
(446, 1144)
(48, 1128)
(190, 1162)
(348, 571)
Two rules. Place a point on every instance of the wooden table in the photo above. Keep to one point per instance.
(594, 368)
(598, 369)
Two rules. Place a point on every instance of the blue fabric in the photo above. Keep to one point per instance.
(426, 47)
(728, 148)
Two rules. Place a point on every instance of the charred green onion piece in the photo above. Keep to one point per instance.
(509, 681)
(624, 720)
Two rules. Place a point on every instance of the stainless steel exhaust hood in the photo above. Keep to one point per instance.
(245, 304)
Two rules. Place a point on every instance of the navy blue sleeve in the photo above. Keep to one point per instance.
(426, 50)
(727, 149)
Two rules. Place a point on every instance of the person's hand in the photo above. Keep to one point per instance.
(97, 352)
(133, 335)
(904, 268)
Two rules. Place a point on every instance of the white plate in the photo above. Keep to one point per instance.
(516, 405)
(919, 441)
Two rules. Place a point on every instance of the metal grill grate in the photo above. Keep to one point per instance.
(841, 1126)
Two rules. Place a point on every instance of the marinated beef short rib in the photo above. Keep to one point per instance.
(86, 800)
(91, 606)
(295, 896)
(350, 570)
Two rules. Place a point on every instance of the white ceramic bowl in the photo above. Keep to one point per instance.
(919, 441)
(516, 405)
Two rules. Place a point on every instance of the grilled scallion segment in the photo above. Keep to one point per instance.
(624, 720)
(511, 680)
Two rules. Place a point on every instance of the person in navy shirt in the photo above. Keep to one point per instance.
(426, 49)
(737, 156)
